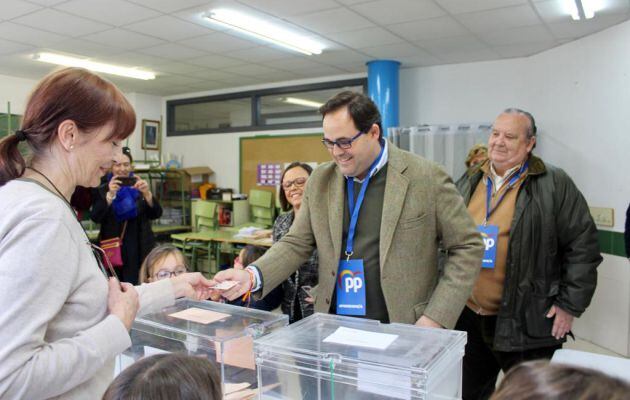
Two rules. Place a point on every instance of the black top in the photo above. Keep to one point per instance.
(138, 240)
(294, 303)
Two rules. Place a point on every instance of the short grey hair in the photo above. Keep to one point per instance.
(531, 129)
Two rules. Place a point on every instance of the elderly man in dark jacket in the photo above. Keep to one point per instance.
(539, 267)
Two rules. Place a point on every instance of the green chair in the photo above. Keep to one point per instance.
(262, 208)
(205, 220)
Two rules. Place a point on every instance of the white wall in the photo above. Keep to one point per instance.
(221, 151)
(580, 96)
(146, 107)
(16, 91)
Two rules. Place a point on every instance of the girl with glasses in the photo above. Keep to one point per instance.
(163, 262)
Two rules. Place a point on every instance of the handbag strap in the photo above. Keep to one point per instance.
(122, 236)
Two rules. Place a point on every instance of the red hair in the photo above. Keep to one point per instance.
(68, 94)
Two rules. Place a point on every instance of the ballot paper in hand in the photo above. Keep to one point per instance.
(225, 285)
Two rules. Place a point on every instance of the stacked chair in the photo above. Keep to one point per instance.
(205, 219)
(261, 203)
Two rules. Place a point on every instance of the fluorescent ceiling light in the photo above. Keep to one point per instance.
(93, 66)
(264, 30)
(302, 102)
(582, 9)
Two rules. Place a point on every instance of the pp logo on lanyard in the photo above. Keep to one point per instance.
(351, 288)
(490, 236)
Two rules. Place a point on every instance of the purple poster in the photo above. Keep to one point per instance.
(268, 174)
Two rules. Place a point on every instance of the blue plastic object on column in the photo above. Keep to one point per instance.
(383, 90)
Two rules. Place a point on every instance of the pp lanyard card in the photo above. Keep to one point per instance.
(490, 235)
(351, 288)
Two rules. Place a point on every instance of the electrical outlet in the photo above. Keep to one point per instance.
(603, 216)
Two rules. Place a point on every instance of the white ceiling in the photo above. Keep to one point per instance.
(170, 37)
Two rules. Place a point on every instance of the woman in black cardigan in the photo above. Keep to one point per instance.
(138, 237)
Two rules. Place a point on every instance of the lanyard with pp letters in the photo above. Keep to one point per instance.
(353, 208)
(350, 287)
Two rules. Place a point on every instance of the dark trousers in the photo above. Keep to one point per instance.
(481, 363)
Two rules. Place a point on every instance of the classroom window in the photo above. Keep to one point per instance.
(276, 108)
(212, 115)
(297, 107)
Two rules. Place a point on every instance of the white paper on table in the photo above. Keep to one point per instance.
(360, 338)
(381, 380)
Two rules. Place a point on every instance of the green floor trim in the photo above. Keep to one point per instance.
(611, 242)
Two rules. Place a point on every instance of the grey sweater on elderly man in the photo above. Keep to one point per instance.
(56, 337)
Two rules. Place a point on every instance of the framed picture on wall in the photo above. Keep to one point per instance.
(150, 134)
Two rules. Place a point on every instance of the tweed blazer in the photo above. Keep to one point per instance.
(422, 210)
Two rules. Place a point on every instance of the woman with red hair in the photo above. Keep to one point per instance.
(63, 318)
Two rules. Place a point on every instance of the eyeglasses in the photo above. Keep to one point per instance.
(165, 274)
(342, 143)
(298, 182)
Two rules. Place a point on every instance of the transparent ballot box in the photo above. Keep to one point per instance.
(223, 333)
(331, 357)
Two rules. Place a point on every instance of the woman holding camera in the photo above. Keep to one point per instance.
(125, 206)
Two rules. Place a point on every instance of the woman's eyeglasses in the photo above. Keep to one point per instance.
(165, 274)
(298, 182)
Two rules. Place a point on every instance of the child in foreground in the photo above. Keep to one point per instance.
(170, 376)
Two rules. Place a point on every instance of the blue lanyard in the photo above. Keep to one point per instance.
(511, 183)
(355, 208)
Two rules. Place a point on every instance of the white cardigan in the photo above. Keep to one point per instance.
(56, 337)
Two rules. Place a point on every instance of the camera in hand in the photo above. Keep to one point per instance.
(127, 180)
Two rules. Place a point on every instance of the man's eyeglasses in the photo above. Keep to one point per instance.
(342, 143)
(165, 274)
(298, 182)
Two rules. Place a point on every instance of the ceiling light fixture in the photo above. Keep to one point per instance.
(582, 9)
(302, 102)
(264, 30)
(67, 61)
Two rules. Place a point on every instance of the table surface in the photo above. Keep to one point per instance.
(159, 229)
(224, 235)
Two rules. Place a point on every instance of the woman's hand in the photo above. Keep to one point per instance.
(112, 188)
(122, 301)
(192, 285)
(144, 188)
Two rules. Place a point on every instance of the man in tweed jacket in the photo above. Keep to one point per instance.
(411, 207)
